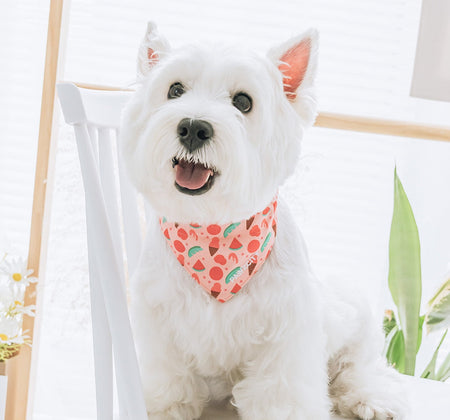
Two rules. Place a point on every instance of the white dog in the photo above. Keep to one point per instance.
(224, 303)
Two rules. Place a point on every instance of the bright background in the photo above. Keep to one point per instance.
(341, 193)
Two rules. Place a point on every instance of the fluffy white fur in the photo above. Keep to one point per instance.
(285, 347)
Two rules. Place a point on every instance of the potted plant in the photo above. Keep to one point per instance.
(404, 326)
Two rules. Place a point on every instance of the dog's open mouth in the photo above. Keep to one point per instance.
(192, 178)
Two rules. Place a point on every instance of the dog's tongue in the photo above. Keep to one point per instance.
(192, 175)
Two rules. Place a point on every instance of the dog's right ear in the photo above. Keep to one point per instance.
(153, 48)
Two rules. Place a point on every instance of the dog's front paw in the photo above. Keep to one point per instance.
(177, 411)
(351, 405)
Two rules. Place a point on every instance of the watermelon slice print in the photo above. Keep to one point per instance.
(235, 245)
(233, 274)
(198, 266)
(230, 229)
(266, 241)
(192, 251)
(235, 289)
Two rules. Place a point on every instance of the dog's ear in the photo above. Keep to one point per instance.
(153, 48)
(297, 61)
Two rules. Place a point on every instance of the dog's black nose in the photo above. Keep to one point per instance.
(193, 134)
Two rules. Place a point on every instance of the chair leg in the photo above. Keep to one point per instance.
(123, 412)
(102, 342)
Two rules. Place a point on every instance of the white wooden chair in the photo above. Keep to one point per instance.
(114, 233)
(95, 116)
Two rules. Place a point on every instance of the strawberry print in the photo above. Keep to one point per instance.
(214, 229)
(253, 246)
(179, 246)
(220, 259)
(223, 258)
(255, 231)
(182, 234)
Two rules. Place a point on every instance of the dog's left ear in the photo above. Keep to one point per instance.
(153, 47)
(297, 61)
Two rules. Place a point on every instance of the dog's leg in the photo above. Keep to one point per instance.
(286, 381)
(172, 390)
(362, 385)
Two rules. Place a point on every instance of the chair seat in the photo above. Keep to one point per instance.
(430, 400)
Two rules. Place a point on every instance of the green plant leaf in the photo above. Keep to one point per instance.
(444, 370)
(438, 315)
(389, 321)
(419, 338)
(395, 353)
(430, 370)
(405, 280)
(388, 340)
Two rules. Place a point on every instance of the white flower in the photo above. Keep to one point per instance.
(17, 308)
(17, 272)
(10, 331)
(7, 297)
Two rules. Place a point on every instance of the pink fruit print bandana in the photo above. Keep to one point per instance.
(223, 258)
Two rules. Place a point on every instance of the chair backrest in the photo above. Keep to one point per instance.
(99, 112)
(114, 241)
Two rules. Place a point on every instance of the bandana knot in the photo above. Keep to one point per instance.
(223, 258)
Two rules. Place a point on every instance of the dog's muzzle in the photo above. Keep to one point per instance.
(194, 134)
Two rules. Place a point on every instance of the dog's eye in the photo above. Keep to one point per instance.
(243, 102)
(175, 90)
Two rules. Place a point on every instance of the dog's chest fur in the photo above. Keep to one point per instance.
(215, 336)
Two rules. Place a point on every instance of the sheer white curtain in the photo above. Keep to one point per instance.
(342, 190)
(23, 32)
